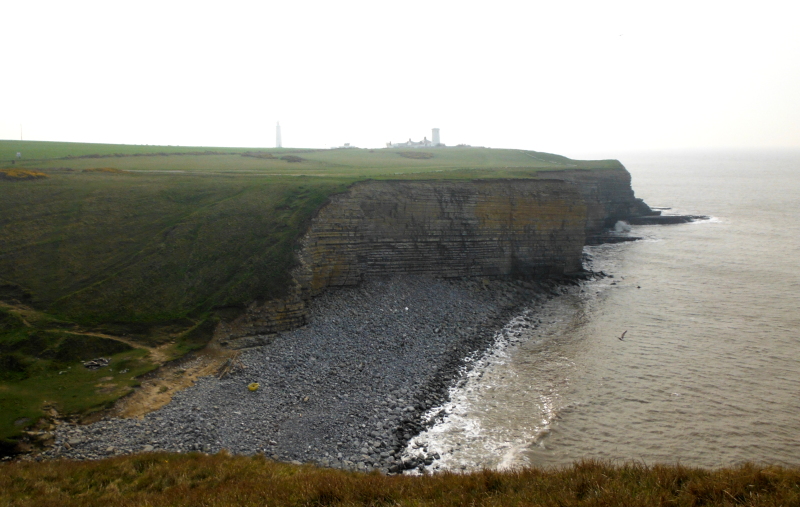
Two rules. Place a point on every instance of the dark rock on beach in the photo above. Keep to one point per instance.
(665, 219)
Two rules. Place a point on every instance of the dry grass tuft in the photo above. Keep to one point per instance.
(418, 155)
(20, 175)
(197, 479)
(258, 154)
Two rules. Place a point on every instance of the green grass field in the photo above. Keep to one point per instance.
(148, 242)
(349, 163)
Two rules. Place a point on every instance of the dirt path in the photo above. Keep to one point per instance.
(157, 354)
(158, 387)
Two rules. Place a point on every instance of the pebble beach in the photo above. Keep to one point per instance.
(348, 390)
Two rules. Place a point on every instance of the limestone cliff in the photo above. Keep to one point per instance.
(608, 195)
(526, 228)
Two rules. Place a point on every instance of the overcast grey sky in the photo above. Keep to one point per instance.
(566, 77)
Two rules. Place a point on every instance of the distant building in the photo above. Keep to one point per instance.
(410, 144)
(418, 144)
(278, 143)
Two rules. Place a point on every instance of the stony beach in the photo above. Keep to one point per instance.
(348, 390)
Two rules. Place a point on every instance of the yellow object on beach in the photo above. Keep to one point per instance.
(253, 386)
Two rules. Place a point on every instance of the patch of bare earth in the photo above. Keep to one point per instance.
(158, 387)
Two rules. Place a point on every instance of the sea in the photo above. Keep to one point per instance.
(707, 373)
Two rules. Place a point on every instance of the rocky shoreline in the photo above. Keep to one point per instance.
(348, 390)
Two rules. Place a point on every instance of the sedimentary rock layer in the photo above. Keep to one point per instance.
(523, 228)
(520, 228)
(608, 196)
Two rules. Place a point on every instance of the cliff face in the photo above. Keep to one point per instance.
(526, 228)
(484, 228)
(534, 228)
(608, 195)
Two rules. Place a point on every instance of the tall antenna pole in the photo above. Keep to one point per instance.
(20, 132)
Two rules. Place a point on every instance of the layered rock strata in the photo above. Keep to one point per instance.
(531, 229)
(520, 228)
(608, 196)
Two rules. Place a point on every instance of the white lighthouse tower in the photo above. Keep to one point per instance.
(435, 137)
(278, 143)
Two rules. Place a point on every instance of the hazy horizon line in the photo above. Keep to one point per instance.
(577, 149)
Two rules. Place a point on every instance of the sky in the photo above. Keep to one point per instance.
(569, 77)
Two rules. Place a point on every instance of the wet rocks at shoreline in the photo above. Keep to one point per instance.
(348, 390)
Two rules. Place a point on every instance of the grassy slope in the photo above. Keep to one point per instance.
(97, 248)
(40, 368)
(194, 479)
(152, 251)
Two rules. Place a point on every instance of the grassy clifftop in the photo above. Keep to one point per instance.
(357, 163)
(150, 244)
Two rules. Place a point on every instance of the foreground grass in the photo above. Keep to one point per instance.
(221, 480)
(151, 245)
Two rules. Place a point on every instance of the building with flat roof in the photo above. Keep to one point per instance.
(419, 144)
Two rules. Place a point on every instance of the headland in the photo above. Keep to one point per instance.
(145, 254)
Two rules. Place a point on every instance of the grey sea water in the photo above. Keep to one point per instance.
(708, 373)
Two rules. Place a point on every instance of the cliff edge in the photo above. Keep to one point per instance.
(513, 228)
